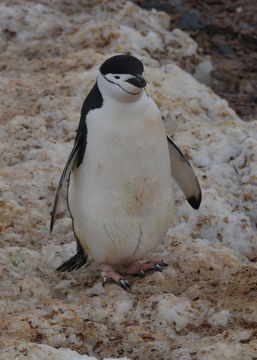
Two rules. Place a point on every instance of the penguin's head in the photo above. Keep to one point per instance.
(121, 78)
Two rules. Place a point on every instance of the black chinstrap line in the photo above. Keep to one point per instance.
(112, 82)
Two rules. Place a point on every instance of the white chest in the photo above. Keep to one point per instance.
(123, 185)
(126, 141)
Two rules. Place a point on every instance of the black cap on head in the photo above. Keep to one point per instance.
(122, 64)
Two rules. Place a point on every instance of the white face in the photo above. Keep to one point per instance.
(118, 87)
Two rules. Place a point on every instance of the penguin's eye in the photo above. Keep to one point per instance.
(117, 77)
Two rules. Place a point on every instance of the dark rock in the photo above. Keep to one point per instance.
(189, 21)
(223, 48)
(254, 99)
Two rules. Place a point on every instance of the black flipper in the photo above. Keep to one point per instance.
(93, 101)
(76, 261)
(184, 175)
(64, 179)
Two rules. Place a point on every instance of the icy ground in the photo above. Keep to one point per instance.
(204, 305)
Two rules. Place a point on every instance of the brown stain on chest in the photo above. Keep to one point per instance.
(99, 168)
(153, 125)
(140, 198)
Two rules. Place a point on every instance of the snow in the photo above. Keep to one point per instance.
(205, 301)
(45, 352)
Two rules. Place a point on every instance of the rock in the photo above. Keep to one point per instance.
(189, 21)
(223, 48)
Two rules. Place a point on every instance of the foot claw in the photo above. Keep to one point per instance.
(108, 274)
(164, 264)
(157, 267)
(124, 284)
(104, 280)
(140, 268)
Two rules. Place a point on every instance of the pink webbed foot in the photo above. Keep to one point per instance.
(140, 268)
(108, 274)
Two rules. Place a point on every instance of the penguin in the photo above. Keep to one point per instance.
(119, 175)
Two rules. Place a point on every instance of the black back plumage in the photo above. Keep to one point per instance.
(93, 101)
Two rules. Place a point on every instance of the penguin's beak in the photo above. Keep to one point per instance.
(137, 80)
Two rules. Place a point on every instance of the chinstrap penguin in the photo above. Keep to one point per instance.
(119, 175)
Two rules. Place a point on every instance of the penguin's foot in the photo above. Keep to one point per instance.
(108, 274)
(139, 268)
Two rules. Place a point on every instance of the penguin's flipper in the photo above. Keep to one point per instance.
(63, 180)
(75, 262)
(184, 175)
(93, 101)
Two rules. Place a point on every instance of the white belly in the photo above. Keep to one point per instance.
(120, 197)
